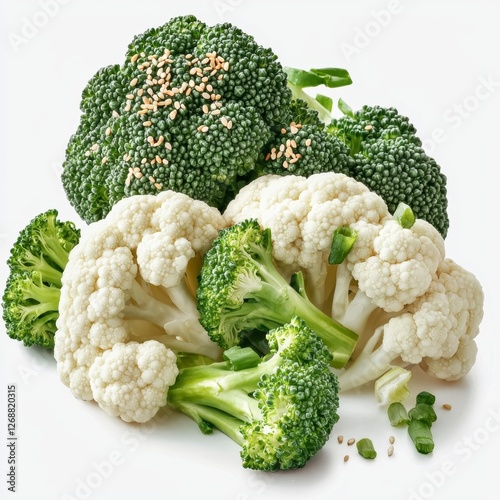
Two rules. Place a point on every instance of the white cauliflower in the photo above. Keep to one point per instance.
(128, 302)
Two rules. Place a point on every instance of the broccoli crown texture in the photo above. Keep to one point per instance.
(241, 290)
(388, 157)
(189, 110)
(36, 263)
(303, 146)
(280, 410)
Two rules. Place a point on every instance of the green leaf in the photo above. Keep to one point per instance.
(425, 397)
(397, 414)
(342, 243)
(404, 215)
(366, 449)
(345, 108)
(333, 77)
(325, 101)
(329, 77)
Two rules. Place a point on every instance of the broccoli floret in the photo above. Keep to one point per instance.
(280, 409)
(304, 147)
(37, 260)
(241, 290)
(189, 110)
(388, 157)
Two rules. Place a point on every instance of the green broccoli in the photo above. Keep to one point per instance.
(36, 262)
(280, 409)
(304, 147)
(189, 110)
(389, 159)
(241, 290)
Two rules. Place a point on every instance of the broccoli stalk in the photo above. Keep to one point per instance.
(37, 260)
(279, 409)
(240, 289)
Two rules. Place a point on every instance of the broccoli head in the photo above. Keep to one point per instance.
(388, 157)
(280, 409)
(37, 260)
(240, 290)
(189, 110)
(304, 147)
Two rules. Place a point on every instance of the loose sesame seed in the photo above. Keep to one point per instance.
(390, 451)
(446, 406)
(351, 441)
(392, 439)
(346, 458)
(340, 439)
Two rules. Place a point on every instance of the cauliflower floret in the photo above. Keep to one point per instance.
(132, 279)
(131, 380)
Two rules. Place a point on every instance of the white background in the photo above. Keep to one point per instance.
(438, 63)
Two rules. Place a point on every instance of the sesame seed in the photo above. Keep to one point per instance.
(144, 160)
(346, 458)
(340, 439)
(205, 95)
(173, 114)
(108, 131)
(168, 146)
(223, 120)
(192, 71)
(230, 124)
(165, 161)
(158, 159)
(225, 66)
(158, 185)
(129, 96)
(293, 129)
(392, 439)
(152, 179)
(134, 58)
(351, 441)
(447, 406)
(205, 108)
(94, 147)
(390, 451)
(104, 160)
(268, 156)
(285, 164)
(368, 127)
(283, 130)
(147, 123)
(177, 105)
(115, 114)
(215, 112)
(133, 83)
(308, 142)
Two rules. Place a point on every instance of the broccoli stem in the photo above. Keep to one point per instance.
(298, 93)
(50, 274)
(217, 387)
(279, 302)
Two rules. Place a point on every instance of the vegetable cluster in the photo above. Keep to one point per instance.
(247, 257)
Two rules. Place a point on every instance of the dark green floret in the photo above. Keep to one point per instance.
(303, 147)
(37, 260)
(189, 110)
(241, 290)
(387, 156)
(280, 409)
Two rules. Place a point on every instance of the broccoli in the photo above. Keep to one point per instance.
(389, 159)
(280, 409)
(241, 290)
(189, 110)
(36, 262)
(304, 147)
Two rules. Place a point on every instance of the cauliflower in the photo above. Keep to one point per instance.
(128, 303)
(394, 286)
